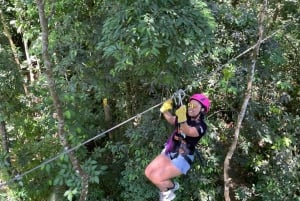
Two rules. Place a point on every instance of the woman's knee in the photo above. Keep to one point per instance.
(151, 174)
(154, 176)
(154, 169)
(147, 171)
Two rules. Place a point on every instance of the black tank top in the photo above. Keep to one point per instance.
(193, 141)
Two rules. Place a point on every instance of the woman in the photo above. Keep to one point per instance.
(178, 155)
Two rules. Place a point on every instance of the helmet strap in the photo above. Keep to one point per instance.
(198, 116)
(201, 114)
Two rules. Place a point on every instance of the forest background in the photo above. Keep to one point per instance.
(71, 70)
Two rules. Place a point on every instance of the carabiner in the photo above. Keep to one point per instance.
(178, 96)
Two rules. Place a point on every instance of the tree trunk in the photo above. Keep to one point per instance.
(227, 179)
(107, 116)
(5, 143)
(57, 102)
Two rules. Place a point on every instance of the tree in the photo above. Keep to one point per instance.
(110, 60)
(57, 102)
(245, 103)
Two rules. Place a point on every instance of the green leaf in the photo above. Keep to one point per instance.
(228, 73)
(67, 114)
(286, 141)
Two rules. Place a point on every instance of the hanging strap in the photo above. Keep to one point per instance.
(178, 96)
(201, 160)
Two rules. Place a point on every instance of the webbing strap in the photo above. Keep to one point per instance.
(201, 160)
(187, 159)
(184, 156)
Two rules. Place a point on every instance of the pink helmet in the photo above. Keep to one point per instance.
(201, 98)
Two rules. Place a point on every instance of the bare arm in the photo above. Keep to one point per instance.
(185, 128)
(169, 117)
(189, 130)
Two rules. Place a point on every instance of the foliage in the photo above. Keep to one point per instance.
(9, 77)
(145, 144)
(156, 39)
(135, 53)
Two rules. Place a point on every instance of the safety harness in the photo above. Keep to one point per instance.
(177, 143)
(182, 147)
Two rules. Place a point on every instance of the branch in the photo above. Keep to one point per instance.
(227, 179)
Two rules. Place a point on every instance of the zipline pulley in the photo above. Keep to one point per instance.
(178, 97)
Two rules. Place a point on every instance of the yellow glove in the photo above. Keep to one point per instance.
(181, 114)
(167, 105)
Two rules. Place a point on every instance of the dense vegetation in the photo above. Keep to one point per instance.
(111, 60)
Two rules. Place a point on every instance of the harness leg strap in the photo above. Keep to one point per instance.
(184, 156)
(187, 159)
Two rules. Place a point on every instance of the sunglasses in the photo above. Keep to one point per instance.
(192, 106)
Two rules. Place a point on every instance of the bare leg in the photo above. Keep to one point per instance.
(160, 172)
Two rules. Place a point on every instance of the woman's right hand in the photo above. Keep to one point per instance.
(167, 105)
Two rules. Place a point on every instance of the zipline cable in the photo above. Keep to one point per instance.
(179, 94)
(220, 67)
(19, 176)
